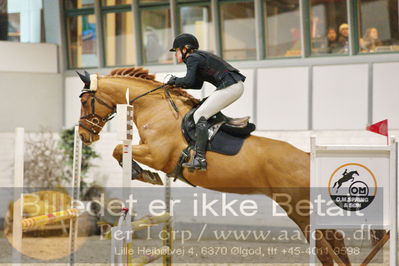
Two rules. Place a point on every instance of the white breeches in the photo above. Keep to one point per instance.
(219, 100)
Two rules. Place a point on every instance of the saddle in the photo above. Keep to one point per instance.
(226, 135)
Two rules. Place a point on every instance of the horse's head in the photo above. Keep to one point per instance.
(96, 109)
(355, 173)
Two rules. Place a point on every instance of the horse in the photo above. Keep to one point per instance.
(263, 166)
(345, 178)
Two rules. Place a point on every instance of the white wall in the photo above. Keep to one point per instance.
(31, 100)
(282, 98)
(340, 97)
(386, 93)
(28, 57)
(73, 88)
(32, 90)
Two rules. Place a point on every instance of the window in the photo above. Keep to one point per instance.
(156, 35)
(378, 26)
(81, 27)
(118, 38)
(82, 41)
(74, 4)
(119, 44)
(329, 29)
(282, 31)
(153, 1)
(21, 21)
(4, 20)
(238, 30)
(116, 2)
(197, 20)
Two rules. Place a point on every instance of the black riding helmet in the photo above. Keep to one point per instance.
(185, 39)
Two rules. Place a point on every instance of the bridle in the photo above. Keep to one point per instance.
(98, 121)
(93, 118)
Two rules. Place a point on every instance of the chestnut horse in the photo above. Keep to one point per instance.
(263, 166)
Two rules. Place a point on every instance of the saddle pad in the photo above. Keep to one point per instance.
(225, 143)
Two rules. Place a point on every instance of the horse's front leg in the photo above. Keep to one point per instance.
(142, 154)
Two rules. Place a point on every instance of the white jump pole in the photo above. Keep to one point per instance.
(18, 195)
(124, 134)
(393, 201)
(76, 178)
(167, 259)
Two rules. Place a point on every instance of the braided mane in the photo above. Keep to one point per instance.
(141, 73)
(132, 72)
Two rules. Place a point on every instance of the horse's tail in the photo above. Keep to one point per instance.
(335, 184)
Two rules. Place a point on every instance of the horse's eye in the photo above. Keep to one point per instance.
(84, 102)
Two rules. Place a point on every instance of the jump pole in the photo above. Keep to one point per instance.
(124, 134)
(18, 196)
(167, 259)
(76, 178)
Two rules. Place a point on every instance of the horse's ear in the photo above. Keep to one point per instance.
(85, 78)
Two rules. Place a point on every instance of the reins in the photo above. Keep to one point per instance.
(167, 94)
(95, 119)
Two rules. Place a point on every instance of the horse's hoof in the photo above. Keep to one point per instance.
(150, 177)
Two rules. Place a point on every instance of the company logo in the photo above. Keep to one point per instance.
(352, 186)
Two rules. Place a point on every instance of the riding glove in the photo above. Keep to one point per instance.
(172, 80)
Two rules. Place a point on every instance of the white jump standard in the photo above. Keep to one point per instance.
(360, 184)
(121, 235)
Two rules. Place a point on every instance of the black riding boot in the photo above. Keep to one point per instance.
(201, 133)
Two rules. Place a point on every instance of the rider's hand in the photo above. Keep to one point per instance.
(172, 80)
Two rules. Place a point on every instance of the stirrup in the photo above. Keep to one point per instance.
(196, 164)
(238, 122)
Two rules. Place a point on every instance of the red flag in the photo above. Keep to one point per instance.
(379, 127)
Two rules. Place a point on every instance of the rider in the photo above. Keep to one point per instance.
(204, 66)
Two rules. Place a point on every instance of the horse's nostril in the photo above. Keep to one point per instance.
(82, 137)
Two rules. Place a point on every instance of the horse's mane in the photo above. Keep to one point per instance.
(141, 73)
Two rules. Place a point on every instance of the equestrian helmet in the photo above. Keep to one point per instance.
(185, 39)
